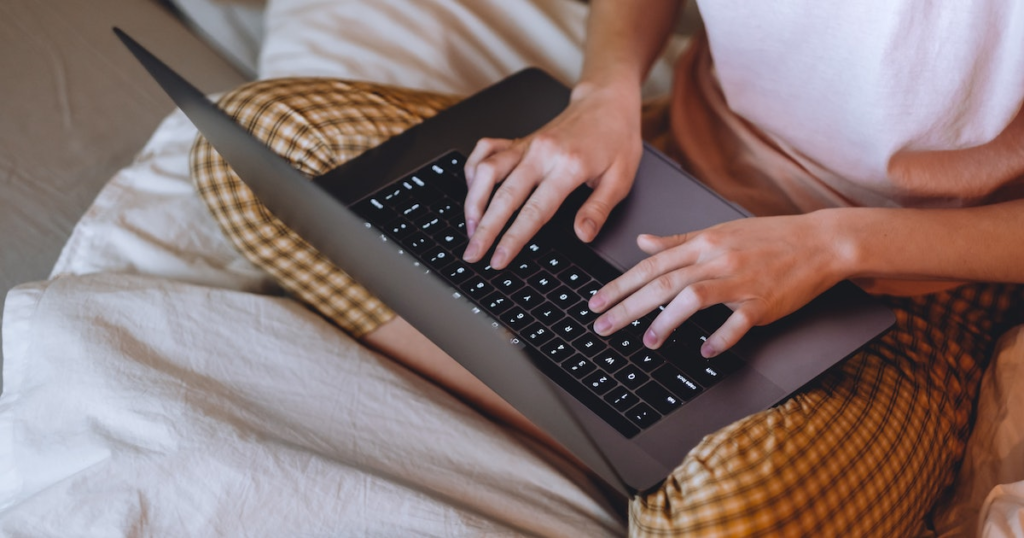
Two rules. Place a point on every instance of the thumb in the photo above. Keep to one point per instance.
(594, 212)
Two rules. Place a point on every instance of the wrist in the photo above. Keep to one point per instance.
(841, 230)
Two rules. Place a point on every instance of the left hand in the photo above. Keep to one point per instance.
(763, 268)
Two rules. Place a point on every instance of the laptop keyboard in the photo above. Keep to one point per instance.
(541, 299)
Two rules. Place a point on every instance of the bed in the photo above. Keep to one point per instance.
(156, 383)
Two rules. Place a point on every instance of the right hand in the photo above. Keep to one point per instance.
(595, 140)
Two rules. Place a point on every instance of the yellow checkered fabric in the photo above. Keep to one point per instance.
(865, 450)
(316, 124)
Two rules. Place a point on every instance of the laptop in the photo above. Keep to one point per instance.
(392, 218)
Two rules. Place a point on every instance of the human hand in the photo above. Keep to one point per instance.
(595, 140)
(762, 268)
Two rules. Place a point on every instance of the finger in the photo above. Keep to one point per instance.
(646, 271)
(694, 297)
(488, 173)
(514, 190)
(591, 217)
(485, 147)
(737, 325)
(538, 210)
(653, 244)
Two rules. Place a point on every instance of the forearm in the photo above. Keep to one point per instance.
(624, 38)
(981, 244)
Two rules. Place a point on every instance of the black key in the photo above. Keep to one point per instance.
(446, 208)
(533, 249)
(642, 415)
(517, 318)
(496, 303)
(599, 382)
(574, 278)
(588, 290)
(621, 399)
(477, 287)
(399, 228)
(528, 297)
(568, 329)
(412, 209)
(703, 371)
(543, 282)
(677, 382)
(638, 327)
(554, 262)
(451, 239)
(578, 366)
(537, 334)
(374, 211)
(564, 297)
(647, 360)
(507, 283)
(557, 350)
(625, 343)
(661, 399)
(547, 314)
(393, 196)
(684, 343)
(456, 272)
(589, 344)
(631, 376)
(423, 192)
(610, 361)
(418, 243)
(430, 223)
(524, 268)
(437, 258)
(582, 313)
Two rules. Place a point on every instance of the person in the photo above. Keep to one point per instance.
(878, 142)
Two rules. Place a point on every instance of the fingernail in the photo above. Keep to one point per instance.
(650, 338)
(596, 302)
(707, 350)
(499, 258)
(472, 252)
(588, 228)
(602, 326)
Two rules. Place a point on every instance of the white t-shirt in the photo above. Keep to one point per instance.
(794, 105)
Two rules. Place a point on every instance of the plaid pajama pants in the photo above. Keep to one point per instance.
(865, 450)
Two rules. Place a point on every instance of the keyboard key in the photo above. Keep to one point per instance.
(456, 272)
(610, 360)
(476, 288)
(412, 209)
(554, 262)
(451, 239)
(507, 283)
(578, 367)
(557, 350)
(399, 228)
(375, 211)
(446, 208)
(621, 399)
(418, 243)
(582, 313)
(625, 343)
(537, 334)
(524, 268)
(661, 399)
(528, 297)
(543, 282)
(568, 329)
(548, 314)
(631, 376)
(574, 277)
(517, 318)
(677, 382)
(496, 303)
(600, 382)
(533, 249)
(430, 223)
(564, 297)
(589, 344)
(647, 360)
(642, 415)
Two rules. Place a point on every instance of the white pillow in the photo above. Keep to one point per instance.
(445, 46)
